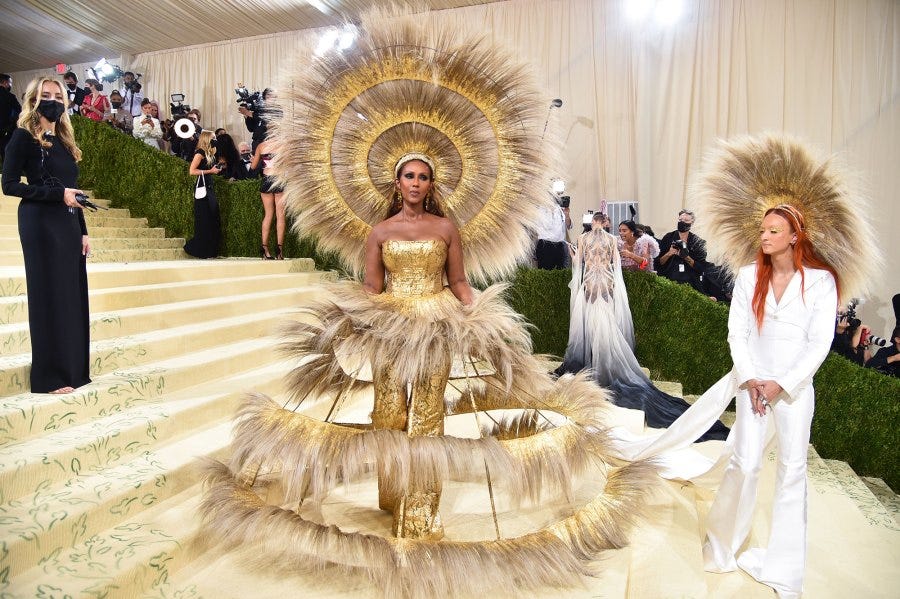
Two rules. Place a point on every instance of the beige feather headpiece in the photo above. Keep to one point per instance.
(746, 176)
(410, 85)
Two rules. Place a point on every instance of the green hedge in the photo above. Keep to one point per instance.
(681, 336)
(157, 186)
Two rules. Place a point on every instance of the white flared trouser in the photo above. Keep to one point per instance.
(781, 563)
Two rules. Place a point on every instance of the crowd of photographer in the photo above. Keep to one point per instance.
(855, 341)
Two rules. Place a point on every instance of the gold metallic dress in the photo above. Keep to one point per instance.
(422, 356)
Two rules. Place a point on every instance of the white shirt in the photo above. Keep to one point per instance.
(135, 107)
(552, 224)
(148, 133)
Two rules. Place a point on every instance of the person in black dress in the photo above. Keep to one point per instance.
(54, 238)
(207, 225)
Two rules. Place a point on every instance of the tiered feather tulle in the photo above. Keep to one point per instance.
(556, 437)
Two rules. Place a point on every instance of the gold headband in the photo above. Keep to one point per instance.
(793, 212)
(409, 158)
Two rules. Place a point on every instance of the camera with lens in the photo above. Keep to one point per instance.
(252, 101)
(850, 314)
(177, 106)
(563, 201)
(134, 85)
(879, 341)
(681, 246)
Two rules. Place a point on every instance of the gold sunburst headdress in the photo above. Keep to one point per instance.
(746, 176)
(409, 85)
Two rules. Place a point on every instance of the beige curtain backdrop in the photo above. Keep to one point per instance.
(642, 102)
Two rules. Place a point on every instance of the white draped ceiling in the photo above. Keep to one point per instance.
(641, 101)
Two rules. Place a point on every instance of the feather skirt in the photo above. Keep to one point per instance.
(554, 437)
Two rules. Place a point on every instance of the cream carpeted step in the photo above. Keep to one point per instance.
(8, 244)
(78, 450)
(135, 557)
(12, 232)
(887, 497)
(869, 505)
(114, 217)
(14, 338)
(15, 308)
(102, 276)
(11, 203)
(124, 352)
(29, 414)
(114, 255)
(65, 515)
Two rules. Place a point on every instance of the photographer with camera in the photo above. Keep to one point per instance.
(851, 336)
(550, 251)
(251, 106)
(887, 360)
(682, 255)
(131, 94)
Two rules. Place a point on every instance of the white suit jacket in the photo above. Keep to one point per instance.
(796, 333)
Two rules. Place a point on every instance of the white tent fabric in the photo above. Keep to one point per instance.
(642, 101)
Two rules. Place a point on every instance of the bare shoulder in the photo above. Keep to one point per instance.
(380, 231)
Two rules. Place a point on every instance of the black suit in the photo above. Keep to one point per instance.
(76, 97)
(9, 114)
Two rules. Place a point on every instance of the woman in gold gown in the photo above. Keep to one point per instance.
(417, 246)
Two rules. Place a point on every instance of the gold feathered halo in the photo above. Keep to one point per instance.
(745, 176)
(405, 86)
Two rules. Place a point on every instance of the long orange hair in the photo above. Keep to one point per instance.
(804, 255)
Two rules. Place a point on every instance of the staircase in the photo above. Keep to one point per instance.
(115, 236)
(99, 489)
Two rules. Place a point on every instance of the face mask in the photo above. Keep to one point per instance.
(245, 156)
(212, 143)
(51, 110)
(683, 227)
(71, 86)
(116, 105)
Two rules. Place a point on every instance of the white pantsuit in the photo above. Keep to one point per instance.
(789, 348)
(794, 339)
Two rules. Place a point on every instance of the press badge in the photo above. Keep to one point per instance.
(681, 268)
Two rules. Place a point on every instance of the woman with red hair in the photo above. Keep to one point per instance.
(785, 223)
(780, 328)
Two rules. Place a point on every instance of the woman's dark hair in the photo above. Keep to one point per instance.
(95, 83)
(631, 227)
(432, 207)
(226, 149)
(645, 229)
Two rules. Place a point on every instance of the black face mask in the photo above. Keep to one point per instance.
(245, 156)
(212, 143)
(51, 110)
(683, 227)
(116, 105)
(71, 86)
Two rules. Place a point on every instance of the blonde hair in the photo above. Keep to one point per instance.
(203, 144)
(30, 119)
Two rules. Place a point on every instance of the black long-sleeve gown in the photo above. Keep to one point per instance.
(207, 222)
(55, 273)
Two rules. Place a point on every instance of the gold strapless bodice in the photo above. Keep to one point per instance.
(415, 268)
